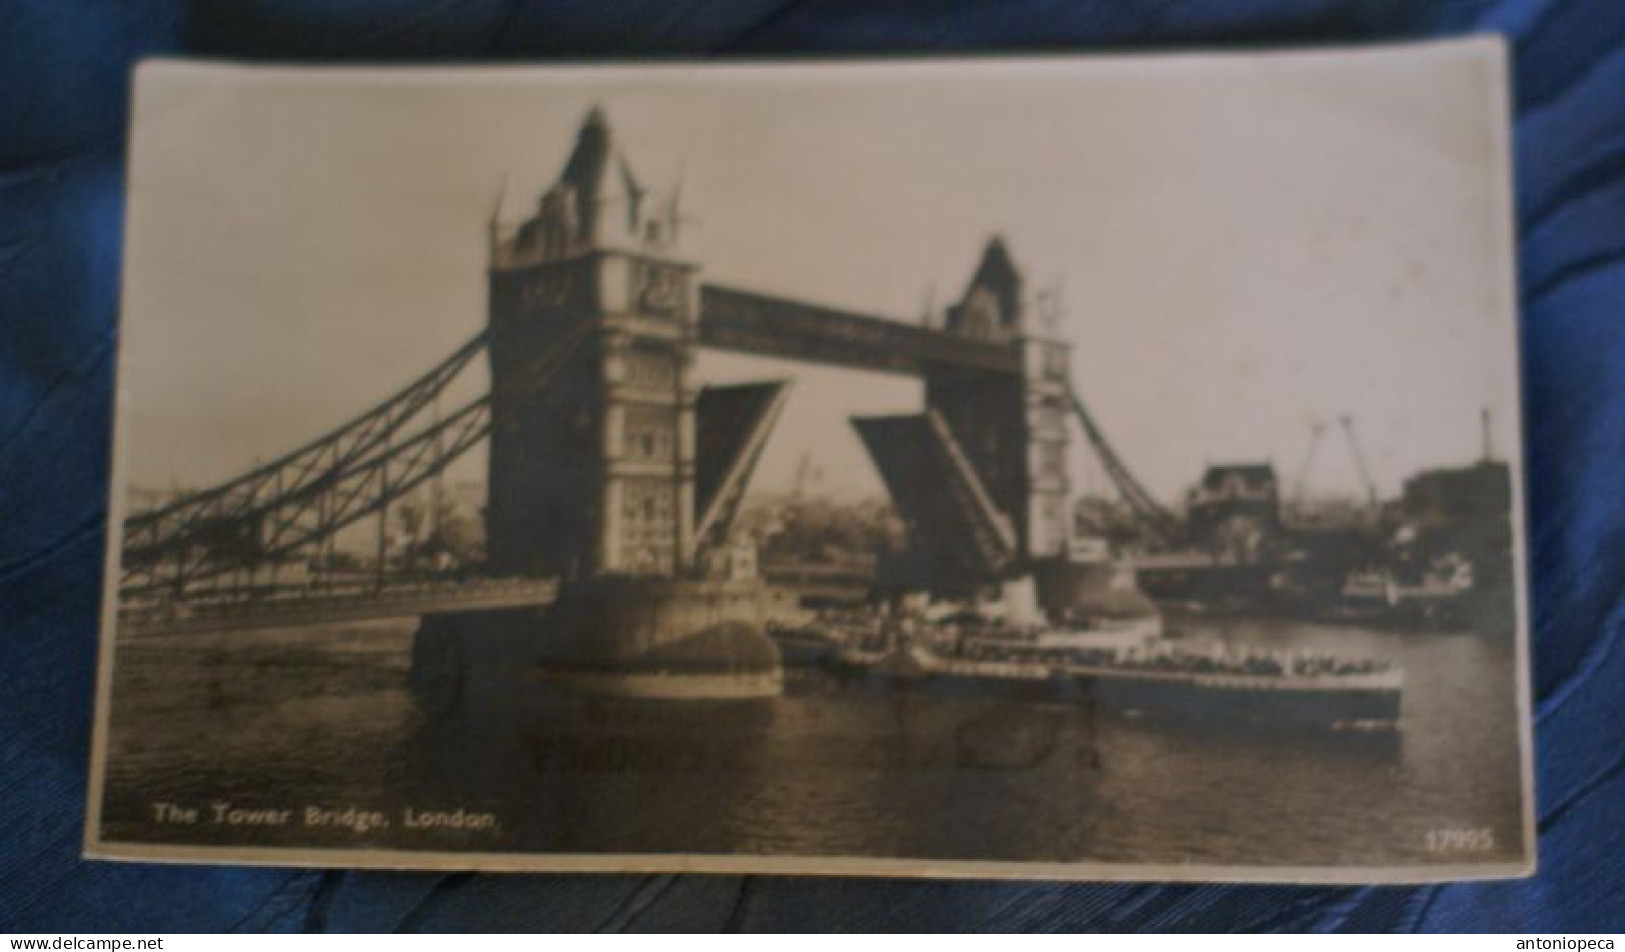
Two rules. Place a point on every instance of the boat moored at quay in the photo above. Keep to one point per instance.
(1119, 672)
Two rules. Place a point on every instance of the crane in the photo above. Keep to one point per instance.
(1299, 488)
(1359, 458)
(806, 474)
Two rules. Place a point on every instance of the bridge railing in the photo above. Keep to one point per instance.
(266, 605)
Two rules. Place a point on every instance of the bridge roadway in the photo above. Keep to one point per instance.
(293, 606)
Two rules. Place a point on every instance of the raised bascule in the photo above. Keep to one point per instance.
(615, 478)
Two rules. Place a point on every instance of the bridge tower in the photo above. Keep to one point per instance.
(591, 330)
(1011, 427)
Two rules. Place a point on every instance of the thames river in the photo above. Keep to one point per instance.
(247, 728)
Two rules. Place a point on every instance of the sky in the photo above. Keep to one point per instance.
(1244, 245)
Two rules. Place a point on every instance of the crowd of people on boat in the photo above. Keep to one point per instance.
(961, 638)
(1258, 665)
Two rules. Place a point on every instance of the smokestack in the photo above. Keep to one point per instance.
(1484, 423)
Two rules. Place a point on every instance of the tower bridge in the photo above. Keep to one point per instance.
(608, 460)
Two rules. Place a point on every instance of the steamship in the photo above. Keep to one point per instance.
(1124, 665)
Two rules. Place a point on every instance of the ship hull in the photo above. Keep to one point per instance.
(1373, 704)
(1190, 701)
(800, 649)
(1350, 702)
(1046, 690)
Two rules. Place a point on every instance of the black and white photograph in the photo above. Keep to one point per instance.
(1004, 467)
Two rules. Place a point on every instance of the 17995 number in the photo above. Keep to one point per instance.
(1456, 839)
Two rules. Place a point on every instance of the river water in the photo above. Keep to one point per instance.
(322, 718)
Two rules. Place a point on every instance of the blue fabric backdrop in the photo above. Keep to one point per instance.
(64, 68)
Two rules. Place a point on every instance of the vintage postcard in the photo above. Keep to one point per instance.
(1013, 467)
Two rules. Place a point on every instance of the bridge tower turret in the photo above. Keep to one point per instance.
(1011, 427)
(591, 329)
